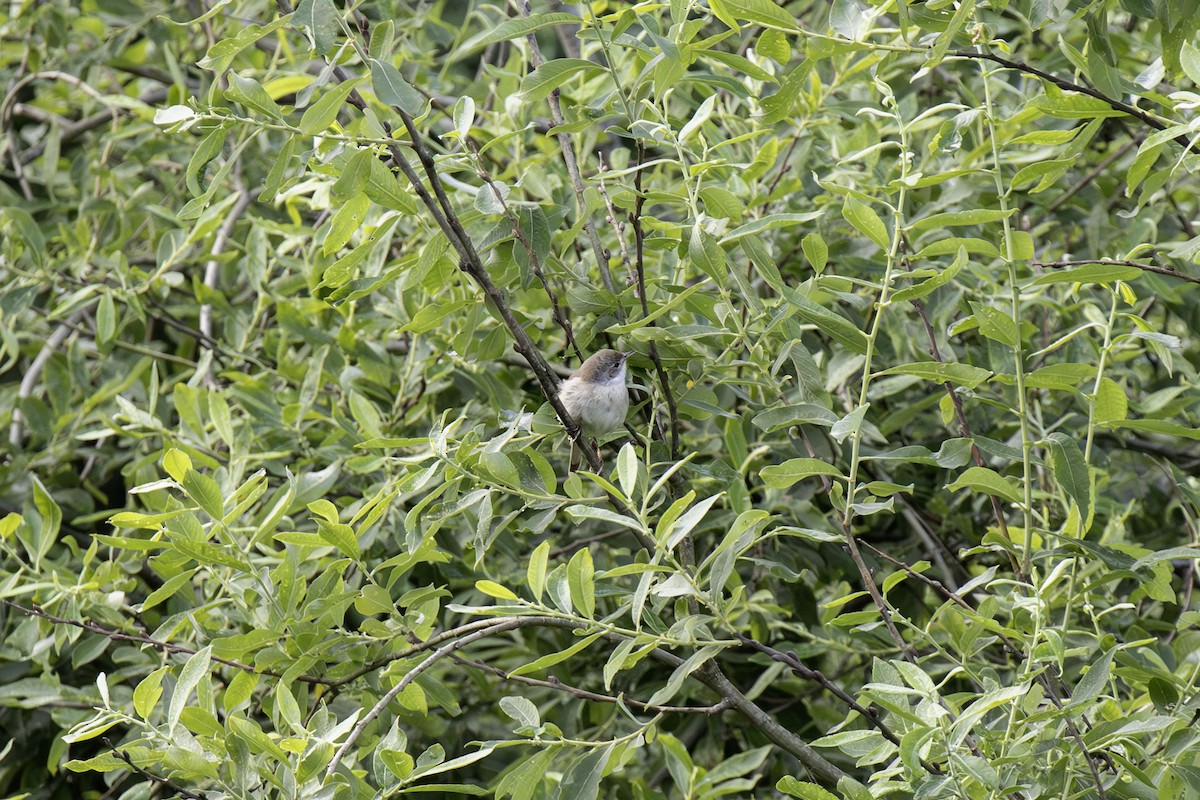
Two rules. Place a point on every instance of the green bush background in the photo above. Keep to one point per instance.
(911, 292)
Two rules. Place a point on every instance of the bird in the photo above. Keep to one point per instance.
(595, 396)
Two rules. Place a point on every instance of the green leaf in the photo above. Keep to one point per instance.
(866, 221)
(319, 17)
(806, 791)
(816, 251)
(979, 216)
(1189, 59)
(320, 115)
(493, 589)
(773, 419)
(580, 580)
(946, 38)
(582, 779)
(705, 253)
(1070, 471)
(384, 188)
(148, 692)
(252, 95)
(176, 463)
(1090, 273)
(987, 481)
(1070, 105)
(1093, 683)
(1111, 404)
(781, 476)
(681, 673)
(204, 491)
(941, 372)
(391, 88)
(762, 12)
(1159, 426)
(556, 658)
(536, 572)
(837, 327)
(195, 669)
(995, 324)
(936, 282)
(518, 27)
(346, 221)
(538, 84)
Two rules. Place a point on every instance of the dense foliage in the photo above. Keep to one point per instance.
(908, 505)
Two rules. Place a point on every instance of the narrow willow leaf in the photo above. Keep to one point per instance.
(705, 253)
(581, 582)
(320, 18)
(582, 779)
(781, 476)
(866, 221)
(1070, 471)
(252, 95)
(538, 84)
(346, 221)
(556, 658)
(1090, 273)
(763, 12)
(987, 481)
(627, 469)
(995, 324)
(1094, 682)
(936, 282)
(690, 665)
(536, 572)
(391, 88)
(1111, 404)
(190, 676)
(837, 327)
(816, 251)
(514, 28)
(962, 374)
(493, 589)
(320, 115)
(979, 216)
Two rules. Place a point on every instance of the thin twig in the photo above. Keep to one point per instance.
(568, 154)
(1120, 263)
(178, 790)
(34, 373)
(166, 647)
(1094, 173)
(535, 263)
(793, 662)
(1066, 85)
(213, 267)
(583, 694)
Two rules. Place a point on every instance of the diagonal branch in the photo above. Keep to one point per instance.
(568, 154)
(1066, 85)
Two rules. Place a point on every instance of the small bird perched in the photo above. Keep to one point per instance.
(595, 396)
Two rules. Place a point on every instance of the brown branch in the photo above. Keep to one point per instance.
(1094, 173)
(960, 416)
(535, 263)
(1066, 85)
(583, 694)
(793, 662)
(178, 790)
(1043, 678)
(1120, 263)
(639, 240)
(137, 638)
(213, 266)
(568, 154)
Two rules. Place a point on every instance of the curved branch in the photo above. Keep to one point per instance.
(1067, 85)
